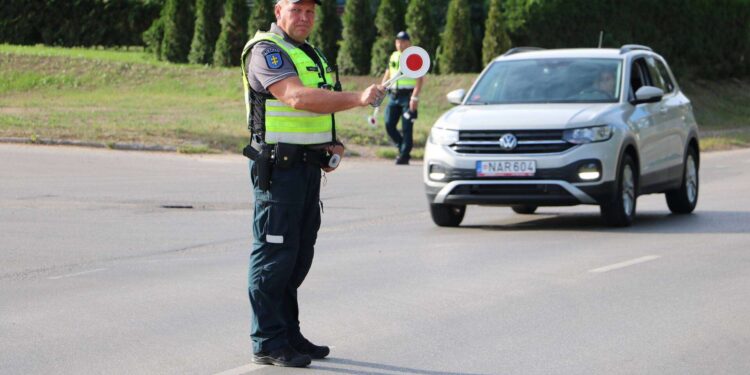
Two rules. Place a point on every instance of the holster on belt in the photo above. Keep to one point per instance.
(260, 152)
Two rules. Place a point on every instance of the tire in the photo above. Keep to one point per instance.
(619, 211)
(684, 199)
(524, 209)
(447, 215)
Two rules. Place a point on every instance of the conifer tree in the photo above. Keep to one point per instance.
(154, 36)
(457, 53)
(207, 27)
(496, 39)
(388, 21)
(233, 34)
(178, 30)
(358, 35)
(421, 25)
(327, 30)
(261, 16)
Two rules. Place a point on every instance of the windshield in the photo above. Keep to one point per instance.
(573, 80)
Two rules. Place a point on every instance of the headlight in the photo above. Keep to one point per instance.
(443, 137)
(588, 135)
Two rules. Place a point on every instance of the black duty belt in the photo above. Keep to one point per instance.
(399, 92)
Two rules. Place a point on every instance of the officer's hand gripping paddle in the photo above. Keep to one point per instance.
(414, 63)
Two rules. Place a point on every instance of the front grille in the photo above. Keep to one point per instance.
(529, 142)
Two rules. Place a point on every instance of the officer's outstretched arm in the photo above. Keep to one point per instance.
(293, 93)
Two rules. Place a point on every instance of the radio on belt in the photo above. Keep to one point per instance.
(334, 160)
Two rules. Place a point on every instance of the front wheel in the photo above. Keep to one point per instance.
(445, 215)
(684, 199)
(619, 210)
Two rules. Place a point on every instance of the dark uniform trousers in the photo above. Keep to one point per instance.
(285, 227)
(397, 106)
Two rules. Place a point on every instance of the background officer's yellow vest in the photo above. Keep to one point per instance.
(284, 124)
(403, 83)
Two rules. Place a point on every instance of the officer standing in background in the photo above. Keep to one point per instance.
(404, 102)
(290, 98)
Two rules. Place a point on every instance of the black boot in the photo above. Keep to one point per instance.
(314, 351)
(285, 357)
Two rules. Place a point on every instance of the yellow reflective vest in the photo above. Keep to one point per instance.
(282, 123)
(404, 83)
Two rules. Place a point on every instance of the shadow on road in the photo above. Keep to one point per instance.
(370, 368)
(648, 222)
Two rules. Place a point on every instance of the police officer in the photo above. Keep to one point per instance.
(404, 102)
(290, 100)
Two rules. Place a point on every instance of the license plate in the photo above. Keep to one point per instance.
(506, 168)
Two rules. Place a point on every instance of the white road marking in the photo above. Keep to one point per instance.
(624, 264)
(75, 274)
(242, 369)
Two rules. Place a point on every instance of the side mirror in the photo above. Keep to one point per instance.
(648, 94)
(456, 96)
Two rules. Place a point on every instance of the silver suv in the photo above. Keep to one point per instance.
(565, 127)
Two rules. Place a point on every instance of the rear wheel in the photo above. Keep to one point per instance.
(445, 215)
(619, 210)
(524, 209)
(684, 199)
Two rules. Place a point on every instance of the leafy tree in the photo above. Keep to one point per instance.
(388, 21)
(496, 40)
(358, 35)
(207, 26)
(457, 54)
(178, 30)
(327, 30)
(421, 25)
(233, 34)
(262, 16)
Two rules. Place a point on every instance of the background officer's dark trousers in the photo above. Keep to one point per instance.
(397, 106)
(285, 227)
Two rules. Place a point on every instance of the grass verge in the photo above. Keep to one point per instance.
(126, 96)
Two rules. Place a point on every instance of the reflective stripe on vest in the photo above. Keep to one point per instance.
(403, 83)
(283, 123)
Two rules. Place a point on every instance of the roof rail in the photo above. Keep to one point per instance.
(634, 47)
(521, 49)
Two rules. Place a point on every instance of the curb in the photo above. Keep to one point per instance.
(113, 146)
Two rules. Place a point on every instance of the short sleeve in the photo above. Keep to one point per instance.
(269, 64)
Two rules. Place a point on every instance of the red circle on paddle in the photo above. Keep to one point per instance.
(414, 62)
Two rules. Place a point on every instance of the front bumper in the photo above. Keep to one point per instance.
(555, 183)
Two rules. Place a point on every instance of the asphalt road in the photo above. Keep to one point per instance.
(98, 277)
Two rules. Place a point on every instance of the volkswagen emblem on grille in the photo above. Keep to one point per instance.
(508, 142)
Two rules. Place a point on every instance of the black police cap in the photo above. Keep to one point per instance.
(403, 35)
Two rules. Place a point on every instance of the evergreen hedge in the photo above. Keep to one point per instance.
(207, 27)
(327, 30)
(233, 34)
(178, 30)
(421, 25)
(388, 21)
(71, 23)
(358, 35)
(261, 16)
(457, 53)
(496, 40)
(698, 38)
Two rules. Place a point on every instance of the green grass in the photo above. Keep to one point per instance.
(111, 96)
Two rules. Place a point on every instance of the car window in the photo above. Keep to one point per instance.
(638, 76)
(670, 86)
(565, 80)
(656, 78)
